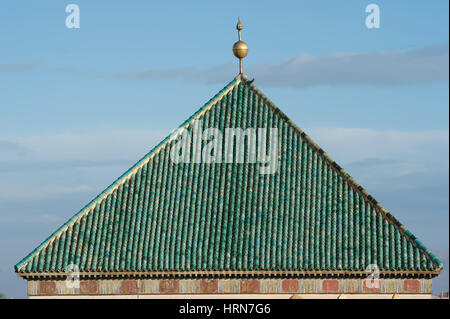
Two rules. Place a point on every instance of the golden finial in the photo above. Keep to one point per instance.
(240, 48)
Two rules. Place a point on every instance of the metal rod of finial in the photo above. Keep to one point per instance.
(240, 48)
(239, 28)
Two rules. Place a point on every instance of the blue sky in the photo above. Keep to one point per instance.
(79, 106)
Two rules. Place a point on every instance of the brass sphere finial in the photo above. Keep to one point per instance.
(240, 48)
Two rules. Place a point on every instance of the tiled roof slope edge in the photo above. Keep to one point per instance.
(357, 187)
(124, 177)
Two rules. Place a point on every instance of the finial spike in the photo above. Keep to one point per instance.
(239, 24)
(240, 48)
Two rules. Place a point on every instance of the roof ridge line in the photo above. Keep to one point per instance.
(131, 171)
(396, 223)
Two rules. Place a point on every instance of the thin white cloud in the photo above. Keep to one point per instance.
(11, 147)
(345, 145)
(19, 66)
(382, 68)
(27, 192)
(55, 165)
(425, 65)
(355, 144)
(46, 218)
(93, 146)
(385, 68)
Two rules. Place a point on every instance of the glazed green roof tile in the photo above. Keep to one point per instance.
(160, 216)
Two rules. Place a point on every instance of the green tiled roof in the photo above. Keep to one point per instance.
(165, 217)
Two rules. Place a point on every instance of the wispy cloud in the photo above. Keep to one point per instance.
(53, 165)
(11, 147)
(45, 218)
(81, 148)
(385, 68)
(19, 66)
(382, 68)
(425, 65)
(182, 73)
(26, 192)
(357, 144)
(107, 146)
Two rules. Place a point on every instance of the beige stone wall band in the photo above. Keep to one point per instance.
(131, 287)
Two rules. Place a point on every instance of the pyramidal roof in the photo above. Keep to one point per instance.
(163, 218)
